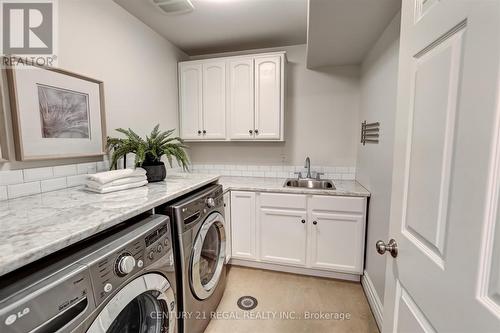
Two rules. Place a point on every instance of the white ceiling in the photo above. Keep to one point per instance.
(341, 32)
(227, 25)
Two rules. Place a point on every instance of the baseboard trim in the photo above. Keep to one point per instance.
(373, 299)
(295, 270)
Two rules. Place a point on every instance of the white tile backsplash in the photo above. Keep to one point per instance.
(21, 190)
(76, 180)
(3, 193)
(11, 177)
(31, 175)
(53, 184)
(65, 170)
(18, 183)
(86, 168)
(275, 171)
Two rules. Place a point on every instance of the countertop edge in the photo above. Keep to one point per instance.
(262, 188)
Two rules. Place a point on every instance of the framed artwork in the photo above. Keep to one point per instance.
(55, 113)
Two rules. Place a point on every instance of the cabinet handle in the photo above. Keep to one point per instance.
(204, 132)
(199, 132)
(303, 221)
(256, 131)
(250, 131)
(315, 222)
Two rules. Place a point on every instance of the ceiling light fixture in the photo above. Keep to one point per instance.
(172, 7)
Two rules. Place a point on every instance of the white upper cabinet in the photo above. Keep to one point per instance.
(268, 98)
(190, 87)
(241, 99)
(234, 98)
(214, 100)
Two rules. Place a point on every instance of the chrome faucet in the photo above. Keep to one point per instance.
(308, 167)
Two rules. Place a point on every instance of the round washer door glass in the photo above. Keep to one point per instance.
(144, 305)
(209, 253)
(144, 314)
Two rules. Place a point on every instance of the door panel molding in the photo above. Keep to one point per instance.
(436, 69)
(488, 290)
(407, 309)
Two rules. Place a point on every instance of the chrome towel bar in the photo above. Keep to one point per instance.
(369, 132)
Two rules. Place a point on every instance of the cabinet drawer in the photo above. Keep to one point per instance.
(282, 200)
(337, 204)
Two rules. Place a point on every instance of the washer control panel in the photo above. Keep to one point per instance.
(132, 256)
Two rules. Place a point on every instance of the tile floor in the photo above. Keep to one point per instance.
(295, 296)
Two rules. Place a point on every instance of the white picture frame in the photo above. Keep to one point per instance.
(56, 114)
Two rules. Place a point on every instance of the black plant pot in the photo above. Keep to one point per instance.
(155, 171)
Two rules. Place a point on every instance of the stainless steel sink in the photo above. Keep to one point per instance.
(310, 183)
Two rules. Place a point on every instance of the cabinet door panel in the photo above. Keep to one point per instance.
(283, 236)
(190, 76)
(214, 100)
(243, 230)
(337, 242)
(268, 97)
(241, 99)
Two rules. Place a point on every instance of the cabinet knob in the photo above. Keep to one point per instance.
(250, 131)
(204, 132)
(315, 222)
(303, 221)
(256, 131)
(199, 132)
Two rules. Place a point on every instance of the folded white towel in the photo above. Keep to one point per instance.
(109, 176)
(109, 189)
(121, 181)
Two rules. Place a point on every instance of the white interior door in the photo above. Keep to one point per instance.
(214, 100)
(446, 171)
(268, 95)
(241, 99)
(190, 76)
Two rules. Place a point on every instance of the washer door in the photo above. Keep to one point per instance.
(209, 254)
(145, 305)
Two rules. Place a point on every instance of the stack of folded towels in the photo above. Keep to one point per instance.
(116, 180)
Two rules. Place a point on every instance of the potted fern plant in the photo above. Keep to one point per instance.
(149, 151)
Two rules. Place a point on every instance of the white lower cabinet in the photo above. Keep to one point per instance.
(336, 242)
(315, 233)
(243, 226)
(337, 233)
(282, 236)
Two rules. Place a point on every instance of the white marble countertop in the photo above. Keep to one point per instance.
(343, 187)
(35, 226)
(38, 225)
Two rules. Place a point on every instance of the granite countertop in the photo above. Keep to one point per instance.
(343, 187)
(35, 226)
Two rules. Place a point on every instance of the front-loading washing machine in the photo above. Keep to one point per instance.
(123, 281)
(200, 247)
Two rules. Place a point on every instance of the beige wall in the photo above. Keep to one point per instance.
(374, 165)
(321, 120)
(99, 39)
